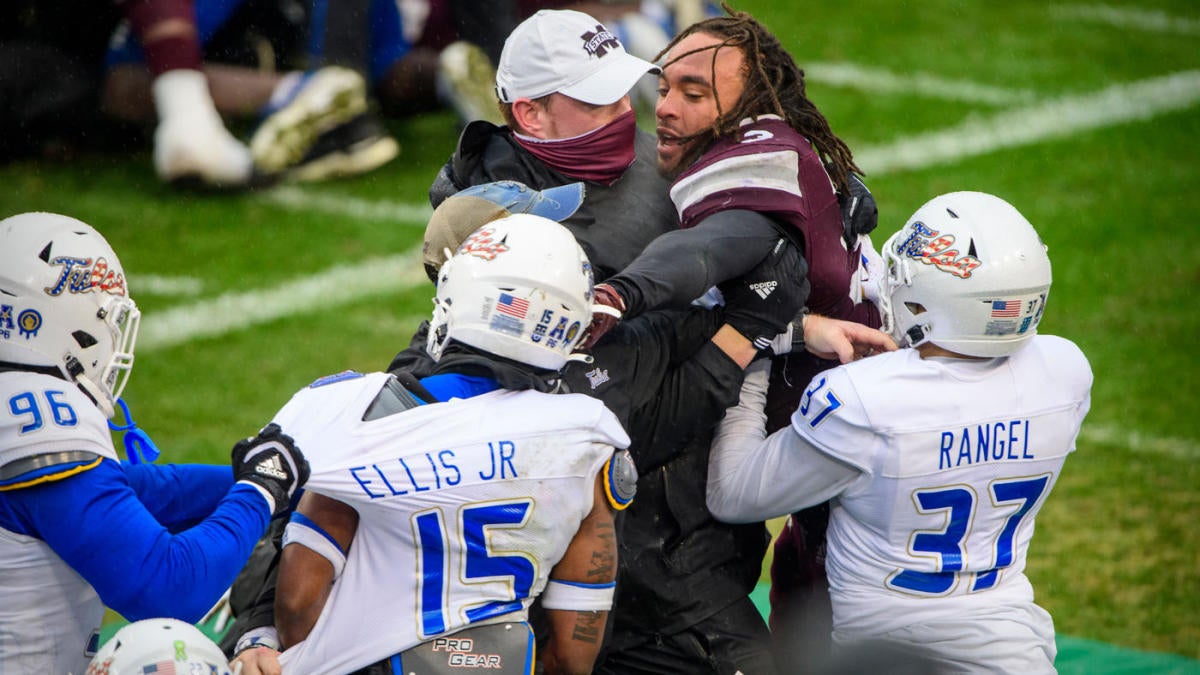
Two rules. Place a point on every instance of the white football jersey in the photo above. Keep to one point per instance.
(50, 617)
(464, 507)
(958, 457)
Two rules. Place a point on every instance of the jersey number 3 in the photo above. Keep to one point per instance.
(946, 544)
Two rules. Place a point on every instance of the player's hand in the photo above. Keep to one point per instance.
(271, 461)
(607, 308)
(845, 341)
(257, 661)
(860, 214)
(762, 302)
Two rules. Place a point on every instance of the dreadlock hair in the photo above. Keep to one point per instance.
(774, 85)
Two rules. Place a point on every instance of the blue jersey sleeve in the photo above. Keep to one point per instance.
(96, 523)
(179, 495)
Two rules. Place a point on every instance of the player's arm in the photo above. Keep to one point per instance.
(314, 551)
(96, 524)
(680, 266)
(753, 477)
(580, 591)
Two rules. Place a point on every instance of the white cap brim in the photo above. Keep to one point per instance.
(608, 84)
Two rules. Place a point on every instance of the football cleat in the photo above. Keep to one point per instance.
(317, 102)
(466, 81)
(349, 149)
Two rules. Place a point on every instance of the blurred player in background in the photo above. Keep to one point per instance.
(937, 458)
(80, 530)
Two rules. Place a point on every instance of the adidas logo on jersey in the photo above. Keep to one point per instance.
(272, 468)
(764, 288)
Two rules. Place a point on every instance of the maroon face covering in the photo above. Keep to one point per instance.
(600, 155)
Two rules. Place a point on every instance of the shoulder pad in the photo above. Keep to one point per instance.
(620, 479)
(393, 398)
(45, 468)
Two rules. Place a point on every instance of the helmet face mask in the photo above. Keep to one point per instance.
(64, 304)
(967, 273)
(520, 288)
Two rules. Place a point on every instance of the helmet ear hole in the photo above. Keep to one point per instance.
(915, 307)
(84, 339)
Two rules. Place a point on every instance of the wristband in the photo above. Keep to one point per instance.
(264, 636)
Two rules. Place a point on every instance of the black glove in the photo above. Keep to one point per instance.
(271, 461)
(762, 302)
(860, 215)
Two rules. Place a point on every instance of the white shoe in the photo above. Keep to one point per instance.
(191, 143)
(466, 81)
(298, 114)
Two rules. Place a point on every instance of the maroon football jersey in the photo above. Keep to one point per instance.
(775, 171)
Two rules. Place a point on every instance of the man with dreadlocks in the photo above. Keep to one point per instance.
(750, 156)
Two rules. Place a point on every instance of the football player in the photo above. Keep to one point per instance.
(80, 530)
(750, 158)
(937, 458)
(440, 507)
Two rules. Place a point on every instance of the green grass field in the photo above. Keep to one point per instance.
(1086, 117)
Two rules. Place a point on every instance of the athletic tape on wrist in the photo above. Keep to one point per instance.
(578, 597)
(301, 530)
(265, 636)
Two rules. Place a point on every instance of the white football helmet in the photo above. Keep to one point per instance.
(967, 273)
(519, 287)
(64, 304)
(168, 644)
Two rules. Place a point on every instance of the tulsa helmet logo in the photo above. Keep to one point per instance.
(84, 275)
(483, 244)
(934, 248)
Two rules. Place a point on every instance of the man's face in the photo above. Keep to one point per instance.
(565, 117)
(687, 96)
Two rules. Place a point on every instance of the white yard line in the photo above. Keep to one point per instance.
(153, 284)
(333, 287)
(298, 199)
(880, 81)
(1148, 20)
(1138, 442)
(1044, 121)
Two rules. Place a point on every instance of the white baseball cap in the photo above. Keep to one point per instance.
(570, 53)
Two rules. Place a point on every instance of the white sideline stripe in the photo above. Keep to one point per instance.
(1181, 448)
(1058, 118)
(153, 284)
(234, 311)
(296, 199)
(1123, 17)
(880, 81)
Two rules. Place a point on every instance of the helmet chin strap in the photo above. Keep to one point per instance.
(98, 396)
